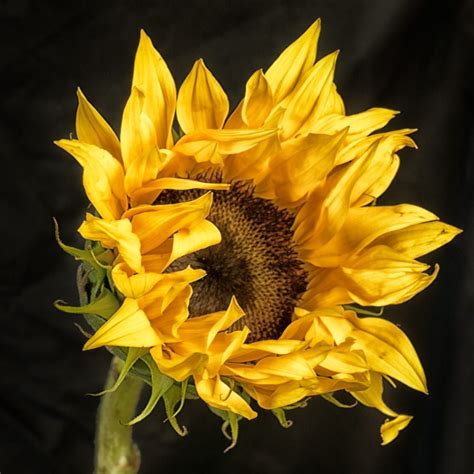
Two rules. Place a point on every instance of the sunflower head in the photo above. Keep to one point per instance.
(234, 257)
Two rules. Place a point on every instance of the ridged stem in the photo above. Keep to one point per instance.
(115, 451)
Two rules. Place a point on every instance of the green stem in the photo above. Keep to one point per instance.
(115, 451)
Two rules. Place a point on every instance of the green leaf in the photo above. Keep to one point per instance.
(133, 354)
(280, 415)
(105, 306)
(160, 385)
(78, 254)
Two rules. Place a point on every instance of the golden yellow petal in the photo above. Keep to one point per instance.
(386, 347)
(137, 133)
(419, 239)
(191, 239)
(202, 103)
(154, 224)
(300, 167)
(112, 234)
(325, 210)
(293, 62)
(362, 227)
(152, 77)
(219, 395)
(286, 394)
(149, 192)
(258, 100)
(391, 428)
(128, 327)
(143, 170)
(103, 177)
(227, 141)
(361, 124)
(372, 396)
(133, 285)
(91, 128)
(306, 103)
(180, 367)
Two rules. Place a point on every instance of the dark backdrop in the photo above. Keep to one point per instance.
(408, 54)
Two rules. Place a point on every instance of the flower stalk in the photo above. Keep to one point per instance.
(115, 451)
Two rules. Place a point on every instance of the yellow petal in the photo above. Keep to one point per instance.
(386, 347)
(258, 101)
(361, 124)
(219, 395)
(134, 286)
(113, 234)
(307, 102)
(91, 128)
(137, 133)
(325, 210)
(152, 77)
(154, 224)
(362, 227)
(202, 103)
(143, 170)
(293, 62)
(180, 367)
(149, 192)
(420, 239)
(128, 327)
(103, 177)
(300, 167)
(391, 428)
(227, 141)
(191, 239)
(372, 396)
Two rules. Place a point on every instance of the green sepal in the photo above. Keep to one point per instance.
(160, 385)
(331, 399)
(133, 354)
(172, 397)
(230, 420)
(280, 415)
(363, 311)
(105, 306)
(78, 254)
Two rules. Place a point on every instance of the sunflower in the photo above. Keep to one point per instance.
(234, 254)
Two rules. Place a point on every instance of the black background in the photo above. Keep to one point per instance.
(409, 55)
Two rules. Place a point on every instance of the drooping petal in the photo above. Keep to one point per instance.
(293, 62)
(219, 395)
(91, 128)
(391, 428)
(202, 103)
(152, 77)
(115, 234)
(128, 327)
(103, 177)
(386, 347)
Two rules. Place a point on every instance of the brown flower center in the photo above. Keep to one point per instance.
(255, 261)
